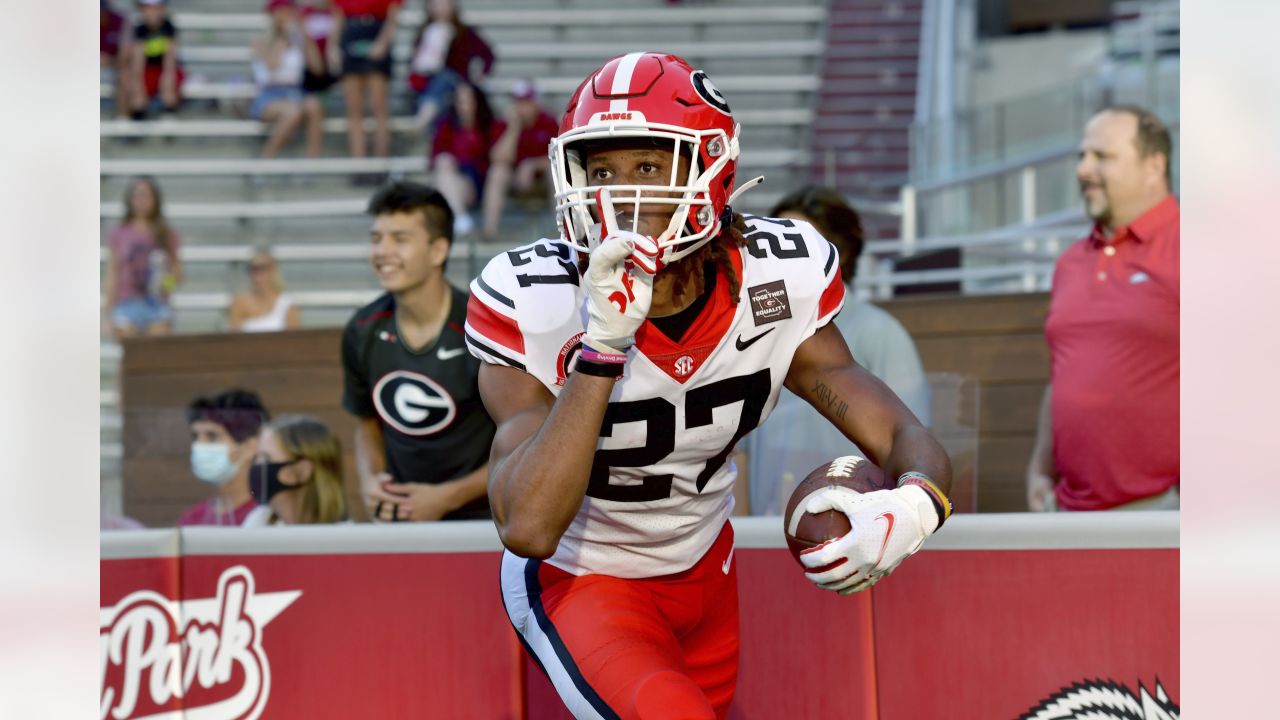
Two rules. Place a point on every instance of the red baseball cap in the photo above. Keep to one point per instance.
(273, 4)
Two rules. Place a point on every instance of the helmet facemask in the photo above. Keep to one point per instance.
(681, 216)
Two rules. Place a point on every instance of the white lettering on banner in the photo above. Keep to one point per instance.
(174, 646)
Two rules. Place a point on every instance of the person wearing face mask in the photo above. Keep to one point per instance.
(297, 476)
(224, 441)
(1108, 433)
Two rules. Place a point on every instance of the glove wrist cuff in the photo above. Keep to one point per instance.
(615, 349)
(939, 499)
(595, 361)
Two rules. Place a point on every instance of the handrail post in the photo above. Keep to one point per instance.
(1028, 195)
(907, 228)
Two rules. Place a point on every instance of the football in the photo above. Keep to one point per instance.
(805, 530)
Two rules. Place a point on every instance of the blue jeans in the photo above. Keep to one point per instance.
(440, 90)
(141, 313)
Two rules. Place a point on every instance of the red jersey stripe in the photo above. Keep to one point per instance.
(495, 326)
(832, 298)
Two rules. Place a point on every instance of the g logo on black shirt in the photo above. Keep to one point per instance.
(413, 403)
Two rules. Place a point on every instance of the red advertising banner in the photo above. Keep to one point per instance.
(974, 635)
(407, 622)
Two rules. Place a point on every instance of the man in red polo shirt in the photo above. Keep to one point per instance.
(1108, 436)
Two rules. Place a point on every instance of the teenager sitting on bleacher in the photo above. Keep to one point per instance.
(460, 153)
(279, 61)
(519, 157)
(446, 52)
(264, 306)
(154, 69)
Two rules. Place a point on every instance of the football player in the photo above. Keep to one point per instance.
(624, 361)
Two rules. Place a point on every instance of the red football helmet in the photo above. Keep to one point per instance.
(660, 97)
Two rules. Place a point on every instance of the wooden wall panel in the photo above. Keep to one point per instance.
(998, 341)
(293, 372)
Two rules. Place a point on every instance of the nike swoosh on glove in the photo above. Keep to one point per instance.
(888, 527)
(619, 282)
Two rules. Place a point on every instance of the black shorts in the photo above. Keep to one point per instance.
(358, 36)
(313, 83)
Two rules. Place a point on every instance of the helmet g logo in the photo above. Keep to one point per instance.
(708, 91)
(413, 403)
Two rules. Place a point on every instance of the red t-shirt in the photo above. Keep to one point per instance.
(1113, 341)
(535, 138)
(356, 8)
(208, 513)
(470, 146)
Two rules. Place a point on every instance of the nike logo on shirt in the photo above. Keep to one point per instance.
(728, 562)
(744, 345)
(449, 354)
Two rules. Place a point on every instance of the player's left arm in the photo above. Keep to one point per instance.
(888, 525)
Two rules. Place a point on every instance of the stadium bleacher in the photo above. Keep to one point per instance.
(225, 201)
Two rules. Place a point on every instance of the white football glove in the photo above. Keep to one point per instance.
(888, 527)
(619, 282)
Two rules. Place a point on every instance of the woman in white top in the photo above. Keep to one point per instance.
(297, 476)
(264, 307)
(279, 63)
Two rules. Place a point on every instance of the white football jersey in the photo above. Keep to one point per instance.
(661, 485)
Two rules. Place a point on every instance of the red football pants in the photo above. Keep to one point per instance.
(633, 649)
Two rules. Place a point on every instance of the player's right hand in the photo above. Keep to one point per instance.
(619, 283)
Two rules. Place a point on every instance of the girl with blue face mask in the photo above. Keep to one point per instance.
(297, 474)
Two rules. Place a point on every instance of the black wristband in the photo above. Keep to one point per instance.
(598, 369)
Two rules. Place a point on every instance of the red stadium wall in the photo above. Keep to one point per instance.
(406, 622)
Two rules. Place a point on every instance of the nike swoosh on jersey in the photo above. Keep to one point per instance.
(744, 345)
(449, 354)
(728, 562)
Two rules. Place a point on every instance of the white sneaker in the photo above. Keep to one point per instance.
(463, 224)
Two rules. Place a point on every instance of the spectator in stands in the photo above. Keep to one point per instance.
(224, 441)
(519, 159)
(366, 29)
(143, 266)
(1108, 433)
(422, 443)
(446, 52)
(155, 72)
(460, 153)
(317, 28)
(279, 64)
(265, 306)
(113, 55)
(796, 439)
(297, 475)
